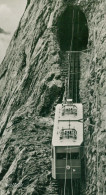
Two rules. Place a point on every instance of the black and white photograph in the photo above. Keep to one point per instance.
(52, 97)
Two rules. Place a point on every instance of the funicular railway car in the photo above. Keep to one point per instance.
(66, 141)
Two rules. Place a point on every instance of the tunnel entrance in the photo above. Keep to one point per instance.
(72, 33)
(72, 30)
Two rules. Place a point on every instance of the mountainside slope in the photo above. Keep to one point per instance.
(29, 78)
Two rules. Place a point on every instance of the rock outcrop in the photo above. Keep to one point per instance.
(30, 87)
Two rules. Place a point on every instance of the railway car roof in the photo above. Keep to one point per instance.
(68, 125)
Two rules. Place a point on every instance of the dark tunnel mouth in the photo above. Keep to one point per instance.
(72, 30)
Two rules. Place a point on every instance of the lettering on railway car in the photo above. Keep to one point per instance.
(67, 109)
(68, 133)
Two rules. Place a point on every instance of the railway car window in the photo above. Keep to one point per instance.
(61, 156)
(73, 155)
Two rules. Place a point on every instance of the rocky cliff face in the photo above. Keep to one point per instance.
(92, 92)
(31, 86)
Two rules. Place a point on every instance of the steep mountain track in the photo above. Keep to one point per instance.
(70, 71)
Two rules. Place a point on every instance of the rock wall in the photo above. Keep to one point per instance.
(31, 86)
(92, 92)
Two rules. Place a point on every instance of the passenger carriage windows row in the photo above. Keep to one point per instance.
(62, 156)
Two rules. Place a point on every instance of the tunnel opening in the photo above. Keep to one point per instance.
(72, 30)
